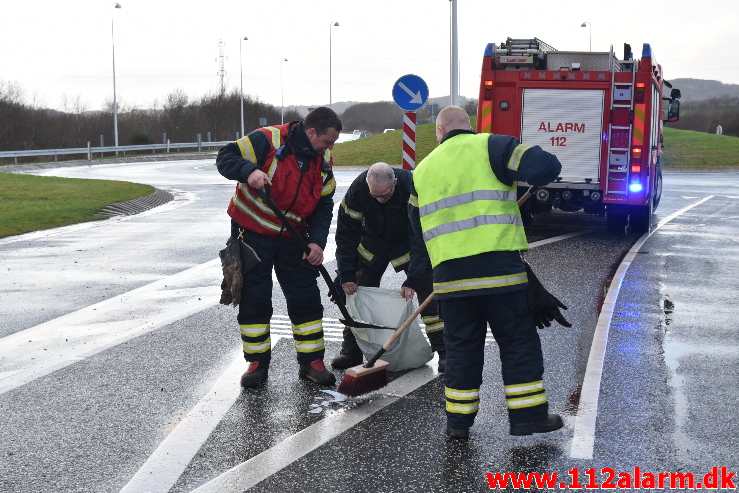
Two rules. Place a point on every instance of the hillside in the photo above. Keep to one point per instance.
(699, 89)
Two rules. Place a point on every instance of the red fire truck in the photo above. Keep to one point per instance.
(602, 117)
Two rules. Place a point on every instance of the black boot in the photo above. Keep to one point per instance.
(442, 361)
(316, 372)
(551, 423)
(347, 358)
(254, 375)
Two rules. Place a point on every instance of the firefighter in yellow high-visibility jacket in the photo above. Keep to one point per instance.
(464, 207)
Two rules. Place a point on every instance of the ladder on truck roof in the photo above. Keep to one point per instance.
(618, 157)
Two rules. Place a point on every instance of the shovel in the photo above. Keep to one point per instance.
(347, 320)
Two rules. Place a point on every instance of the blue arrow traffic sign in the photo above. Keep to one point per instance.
(410, 92)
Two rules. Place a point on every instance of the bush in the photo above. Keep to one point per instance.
(139, 139)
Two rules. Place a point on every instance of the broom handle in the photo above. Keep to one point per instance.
(526, 196)
(405, 325)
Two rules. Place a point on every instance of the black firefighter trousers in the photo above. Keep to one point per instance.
(522, 363)
(297, 279)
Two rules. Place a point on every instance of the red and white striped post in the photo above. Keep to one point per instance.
(409, 140)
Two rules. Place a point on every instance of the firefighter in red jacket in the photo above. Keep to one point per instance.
(295, 159)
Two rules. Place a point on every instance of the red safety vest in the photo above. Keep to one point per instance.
(248, 210)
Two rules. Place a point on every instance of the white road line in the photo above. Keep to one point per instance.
(45, 348)
(583, 439)
(272, 460)
(170, 459)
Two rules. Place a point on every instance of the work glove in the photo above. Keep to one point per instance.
(340, 290)
(544, 305)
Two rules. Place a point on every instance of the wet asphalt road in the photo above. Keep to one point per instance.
(119, 370)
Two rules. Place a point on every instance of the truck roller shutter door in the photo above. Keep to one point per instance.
(569, 124)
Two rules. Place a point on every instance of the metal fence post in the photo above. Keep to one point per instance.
(102, 144)
(209, 137)
(200, 143)
(89, 154)
(167, 145)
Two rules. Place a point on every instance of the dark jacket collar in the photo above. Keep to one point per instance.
(299, 140)
(454, 133)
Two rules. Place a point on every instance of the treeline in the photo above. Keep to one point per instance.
(25, 126)
(375, 117)
(708, 114)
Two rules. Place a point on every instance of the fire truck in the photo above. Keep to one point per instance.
(602, 117)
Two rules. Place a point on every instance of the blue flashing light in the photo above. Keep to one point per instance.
(489, 49)
(635, 187)
(646, 51)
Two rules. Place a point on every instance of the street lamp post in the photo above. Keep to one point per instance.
(590, 33)
(330, 32)
(454, 57)
(241, 75)
(282, 93)
(115, 104)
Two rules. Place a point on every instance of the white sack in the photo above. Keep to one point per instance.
(386, 307)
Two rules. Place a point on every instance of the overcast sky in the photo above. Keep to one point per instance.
(63, 49)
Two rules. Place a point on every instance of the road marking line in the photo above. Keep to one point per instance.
(170, 459)
(269, 462)
(583, 439)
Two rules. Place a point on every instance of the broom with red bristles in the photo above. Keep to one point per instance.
(371, 376)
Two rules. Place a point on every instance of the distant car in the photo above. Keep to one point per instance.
(358, 134)
(388, 130)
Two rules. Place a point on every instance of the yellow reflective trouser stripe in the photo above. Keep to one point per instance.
(309, 346)
(308, 328)
(364, 252)
(524, 388)
(433, 323)
(329, 186)
(529, 401)
(351, 212)
(461, 395)
(435, 327)
(480, 283)
(453, 407)
(256, 331)
(315, 328)
(247, 150)
(413, 200)
(251, 348)
(401, 260)
(516, 156)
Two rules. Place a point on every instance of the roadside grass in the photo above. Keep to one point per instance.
(31, 203)
(384, 148)
(691, 149)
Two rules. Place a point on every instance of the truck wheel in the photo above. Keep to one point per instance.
(616, 222)
(657, 188)
(642, 223)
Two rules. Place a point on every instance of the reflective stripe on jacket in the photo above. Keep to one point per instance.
(295, 192)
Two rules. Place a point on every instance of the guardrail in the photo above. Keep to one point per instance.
(90, 151)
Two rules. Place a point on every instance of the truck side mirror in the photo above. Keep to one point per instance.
(675, 94)
(673, 111)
